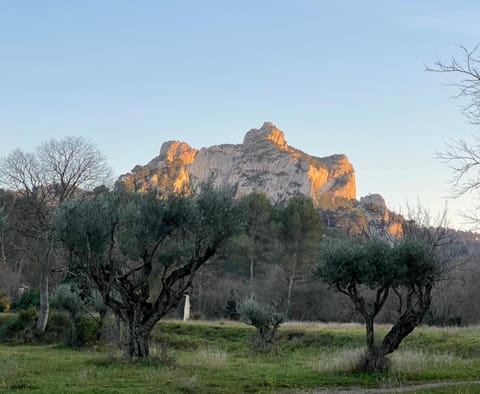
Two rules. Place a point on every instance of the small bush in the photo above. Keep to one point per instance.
(265, 320)
(88, 330)
(19, 328)
(10, 328)
(85, 331)
(5, 301)
(231, 311)
(28, 316)
(58, 323)
(67, 298)
(29, 299)
(57, 320)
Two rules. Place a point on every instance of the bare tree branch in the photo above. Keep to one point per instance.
(468, 86)
(54, 172)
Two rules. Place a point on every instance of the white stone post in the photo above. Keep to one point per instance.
(186, 309)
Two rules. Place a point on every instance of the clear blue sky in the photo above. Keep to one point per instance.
(337, 77)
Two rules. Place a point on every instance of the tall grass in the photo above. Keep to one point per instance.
(210, 357)
(418, 361)
(336, 360)
(402, 361)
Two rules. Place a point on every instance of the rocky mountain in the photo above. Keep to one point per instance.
(263, 162)
(379, 218)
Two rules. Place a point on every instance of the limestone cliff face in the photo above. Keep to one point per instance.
(263, 162)
(379, 218)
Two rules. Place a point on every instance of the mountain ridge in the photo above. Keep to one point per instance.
(264, 162)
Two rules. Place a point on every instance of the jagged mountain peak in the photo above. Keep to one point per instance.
(176, 149)
(263, 162)
(267, 132)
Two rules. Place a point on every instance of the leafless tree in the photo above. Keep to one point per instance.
(463, 157)
(468, 69)
(55, 171)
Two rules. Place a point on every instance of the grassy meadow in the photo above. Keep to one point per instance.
(215, 357)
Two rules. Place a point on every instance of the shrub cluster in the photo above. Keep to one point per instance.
(5, 301)
(19, 328)
(29, 299)
(266, 321)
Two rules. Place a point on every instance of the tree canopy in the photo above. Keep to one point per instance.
(142, 252)
(369, 270)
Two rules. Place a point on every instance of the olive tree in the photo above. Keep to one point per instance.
(368, 270)
(54, 172)
(142, 252)
(266, 321)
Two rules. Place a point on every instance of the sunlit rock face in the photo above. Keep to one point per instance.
(263, 162)
(166, 172)
(381, 220)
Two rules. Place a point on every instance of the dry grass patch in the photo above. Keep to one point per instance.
(413, 361)
(402, 361)
(210, 357)
(337, 360)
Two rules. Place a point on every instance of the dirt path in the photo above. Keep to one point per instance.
(400, 389)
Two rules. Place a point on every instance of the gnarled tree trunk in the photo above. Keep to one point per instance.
(373, 360)
(407, 322)
(264, 337)
(137, 341)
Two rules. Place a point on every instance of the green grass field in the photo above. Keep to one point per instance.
(216, 358)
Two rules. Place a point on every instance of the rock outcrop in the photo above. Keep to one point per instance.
(380, 219)
(263, 162)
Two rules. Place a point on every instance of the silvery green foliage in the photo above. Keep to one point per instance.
(265, 319)
(371, 270)
(66, 298)
(142, 252)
